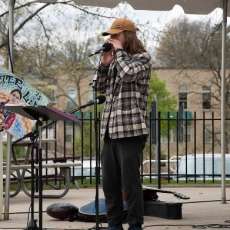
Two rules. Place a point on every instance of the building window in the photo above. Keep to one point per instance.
(206, 97)
(183, 97)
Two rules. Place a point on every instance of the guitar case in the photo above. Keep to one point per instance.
(167, 210)
(152, 207)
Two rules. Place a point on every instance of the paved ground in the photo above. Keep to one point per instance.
(193, 213)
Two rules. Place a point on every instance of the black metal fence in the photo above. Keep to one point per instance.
(181, 148)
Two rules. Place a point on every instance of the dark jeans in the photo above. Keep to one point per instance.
(121, 160)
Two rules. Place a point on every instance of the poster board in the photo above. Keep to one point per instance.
(14, 90)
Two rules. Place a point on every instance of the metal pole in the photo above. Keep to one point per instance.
(97, 168)
(1, 177)
(223, 143)
(159, 150)
(40, 185)
(7, 181)
(9, 138)
(156, 136)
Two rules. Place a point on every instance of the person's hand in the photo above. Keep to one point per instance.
(116, 43)
(107, 57)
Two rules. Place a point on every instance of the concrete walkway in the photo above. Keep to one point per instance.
(193, 213)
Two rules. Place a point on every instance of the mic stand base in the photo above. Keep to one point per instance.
(36, 145)
(32, 225)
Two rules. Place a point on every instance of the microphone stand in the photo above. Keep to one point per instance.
(105, 48)
(97, 169)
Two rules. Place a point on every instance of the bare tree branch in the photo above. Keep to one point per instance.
(4, 43)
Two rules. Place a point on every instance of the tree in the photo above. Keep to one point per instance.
(158, 89)
(77, 66)
(166, 103)
(53, 63)
(189, 44)
(26, 11)
(197, 45)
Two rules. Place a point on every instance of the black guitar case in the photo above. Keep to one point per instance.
(167, 210)
(87, 213)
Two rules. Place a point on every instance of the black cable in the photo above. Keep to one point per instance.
(9, 54)
(196, 226)
(208, 226)
(202, 201)
(202, 226)
(11, 228)
(55, 228)
(167, 225)
(19, 213)
(50, 228)
(8, 47)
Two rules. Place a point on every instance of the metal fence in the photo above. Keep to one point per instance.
(181, 148)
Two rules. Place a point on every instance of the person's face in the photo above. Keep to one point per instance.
(15, 97)
(119, 37)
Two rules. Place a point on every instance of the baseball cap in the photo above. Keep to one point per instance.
(119, 25)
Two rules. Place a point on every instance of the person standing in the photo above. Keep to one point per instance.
(123, 76)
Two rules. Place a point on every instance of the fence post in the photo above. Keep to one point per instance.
(159, 150)
(155, 136)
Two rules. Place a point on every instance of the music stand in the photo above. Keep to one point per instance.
(40, 114)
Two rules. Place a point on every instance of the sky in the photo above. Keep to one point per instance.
(63, 19)
(154, 20)
(158, 19)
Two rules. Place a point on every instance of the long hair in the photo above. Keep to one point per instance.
(132, 44)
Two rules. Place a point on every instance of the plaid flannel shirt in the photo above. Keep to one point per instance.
(125, 83)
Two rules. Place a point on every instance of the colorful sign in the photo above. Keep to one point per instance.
(15, 91)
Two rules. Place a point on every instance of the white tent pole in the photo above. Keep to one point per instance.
(9, 138)
(223, 73)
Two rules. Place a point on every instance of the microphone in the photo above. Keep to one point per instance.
(105, 48)
(99, 100)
